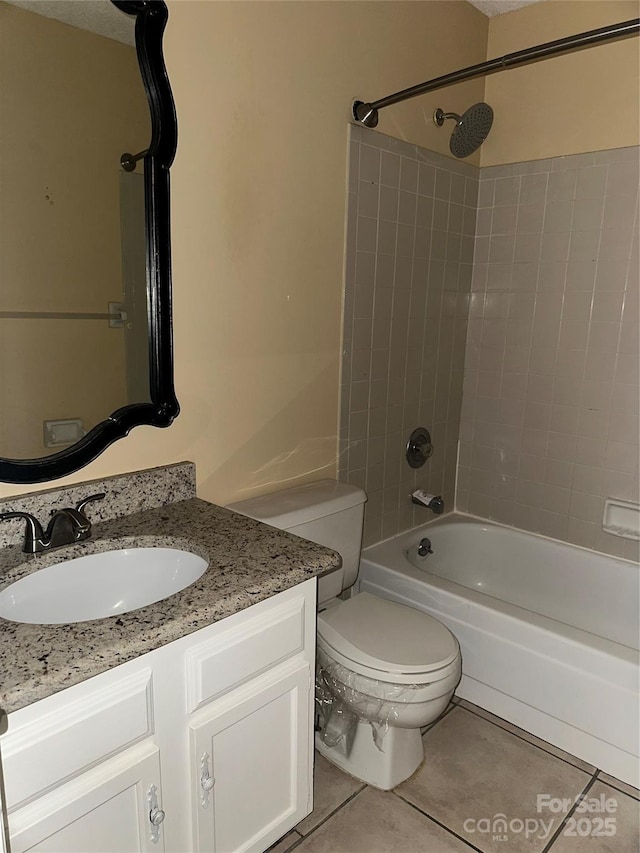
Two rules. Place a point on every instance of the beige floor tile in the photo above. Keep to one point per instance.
(285, 843)
(378, 822)
(578, 838)
(543, 744)
(331, 787)
(446, 711)
(617, 783)
(475, 771)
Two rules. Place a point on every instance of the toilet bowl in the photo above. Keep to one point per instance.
(390, 670)
(384, 670)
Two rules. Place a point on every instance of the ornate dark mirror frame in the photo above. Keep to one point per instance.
(151, 18)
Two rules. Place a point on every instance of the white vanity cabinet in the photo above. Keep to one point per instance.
(80, 766)
(204, 744)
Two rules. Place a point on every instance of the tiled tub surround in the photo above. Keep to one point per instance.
(549, 425)
(411, 221)
(249, 562)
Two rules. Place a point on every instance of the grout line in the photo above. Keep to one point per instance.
(625, 296)
(569, 814)
(635, 796)
(439, 823)
(329, 816)
(450, 707)
(280, 840)
(293, 842)
(520, 737)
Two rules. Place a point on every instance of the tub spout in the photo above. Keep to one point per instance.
(432, 502)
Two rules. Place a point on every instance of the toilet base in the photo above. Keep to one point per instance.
(402, 754)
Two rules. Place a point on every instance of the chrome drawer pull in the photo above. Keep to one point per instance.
(206, 780)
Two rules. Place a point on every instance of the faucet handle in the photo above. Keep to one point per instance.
(33, 534)
(97, 497)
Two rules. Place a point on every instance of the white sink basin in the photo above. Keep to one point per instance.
(100, 585)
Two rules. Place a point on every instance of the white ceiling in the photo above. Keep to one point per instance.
(103, 18)
(499, 7)
(98, 16)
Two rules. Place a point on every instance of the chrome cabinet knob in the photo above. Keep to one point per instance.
(156, 816)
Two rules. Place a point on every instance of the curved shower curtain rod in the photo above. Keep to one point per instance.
(367, 113)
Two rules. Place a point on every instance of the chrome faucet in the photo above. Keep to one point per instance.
(66, 526)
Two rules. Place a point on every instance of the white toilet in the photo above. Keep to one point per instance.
(384, 670)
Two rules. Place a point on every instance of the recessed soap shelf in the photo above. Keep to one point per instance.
(621, 518)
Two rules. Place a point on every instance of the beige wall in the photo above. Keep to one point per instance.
(258, 194)
(259, 254)
(263, 93)
(585, 101)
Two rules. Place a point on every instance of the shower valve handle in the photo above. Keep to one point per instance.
(419, 447)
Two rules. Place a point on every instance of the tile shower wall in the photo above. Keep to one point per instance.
(410, 229)
(549, 424)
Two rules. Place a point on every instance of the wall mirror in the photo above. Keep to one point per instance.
(88, 136)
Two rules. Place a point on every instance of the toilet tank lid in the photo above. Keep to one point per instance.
(301, 504)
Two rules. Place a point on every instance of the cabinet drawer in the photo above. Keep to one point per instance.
(55, 746)
(244, 650)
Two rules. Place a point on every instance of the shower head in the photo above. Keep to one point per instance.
(471, 130)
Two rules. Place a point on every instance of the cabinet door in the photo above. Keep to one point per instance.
(106, 810)
(255, 748)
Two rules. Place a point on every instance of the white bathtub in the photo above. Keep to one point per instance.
(548, 631)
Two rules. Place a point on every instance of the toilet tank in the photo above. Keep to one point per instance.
(326, 512)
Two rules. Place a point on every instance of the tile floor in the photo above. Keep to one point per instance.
(478, 768)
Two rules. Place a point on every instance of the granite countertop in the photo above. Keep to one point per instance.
(248, 562)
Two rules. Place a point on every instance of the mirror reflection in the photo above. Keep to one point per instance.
(73, 295)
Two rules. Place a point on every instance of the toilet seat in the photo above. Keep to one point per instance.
(391, 642)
